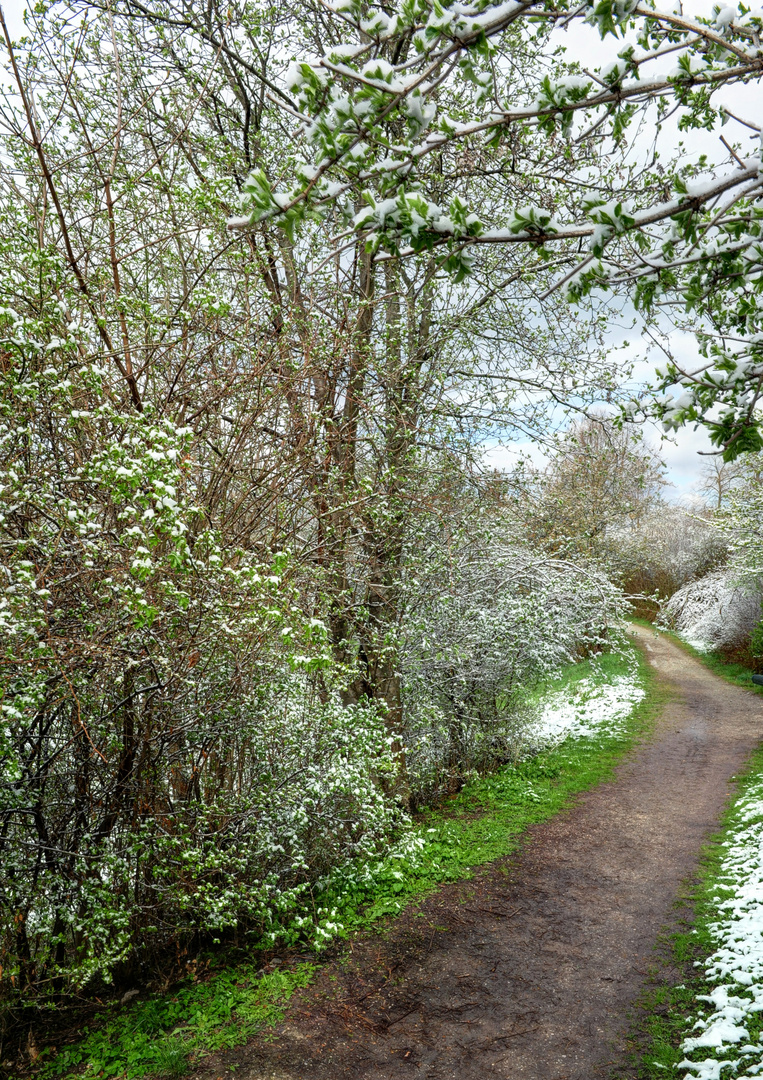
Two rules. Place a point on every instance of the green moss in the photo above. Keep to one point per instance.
(484, 822)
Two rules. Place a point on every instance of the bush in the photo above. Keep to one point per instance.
(171, 765)
(486, 624)
(717, 612)
(666, 549)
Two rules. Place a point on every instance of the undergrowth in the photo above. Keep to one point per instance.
(162, 1035)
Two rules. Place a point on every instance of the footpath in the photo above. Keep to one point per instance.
(529, 969)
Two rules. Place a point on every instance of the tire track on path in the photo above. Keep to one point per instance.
(528, 970)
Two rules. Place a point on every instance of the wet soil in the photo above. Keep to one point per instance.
(529, 969)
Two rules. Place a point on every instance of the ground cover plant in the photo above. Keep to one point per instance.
(237, 999)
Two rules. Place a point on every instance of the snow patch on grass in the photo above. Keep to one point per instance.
(586, 708)
(737, 963)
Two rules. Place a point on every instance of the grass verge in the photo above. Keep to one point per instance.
(160, 1036)
(666, 1012)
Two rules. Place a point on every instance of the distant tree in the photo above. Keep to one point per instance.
(717, 479)
(603, 476)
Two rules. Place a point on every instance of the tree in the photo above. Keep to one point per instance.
(741, 521)
(364, 368)
(220, 452)
(718, 479)
(388, 91)
(602, 477)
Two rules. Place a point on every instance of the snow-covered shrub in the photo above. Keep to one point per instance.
(663, 551)
(715, 612)
(723, 609)
(486, 625)
(168, 766)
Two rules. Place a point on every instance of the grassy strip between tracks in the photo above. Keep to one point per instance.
(237, 999)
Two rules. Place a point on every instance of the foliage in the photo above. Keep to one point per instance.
(601, 479)
(387, 91)
(487, 622)
(742, 521)
(485, 821)
(325, 388)
(230, 1005)
(170, 765)
(668, 548)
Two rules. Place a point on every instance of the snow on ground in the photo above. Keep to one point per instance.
(587, 708)
(737, 963)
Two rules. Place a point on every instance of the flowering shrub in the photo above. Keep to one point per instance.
(167, 763)
(662, 552)
(733, 603)
(715, 612)
(487, 625)
(175, 760)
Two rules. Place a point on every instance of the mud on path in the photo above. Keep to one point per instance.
(528, 970)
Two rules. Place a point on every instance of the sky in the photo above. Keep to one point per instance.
(13, 10)
(681, 451)
(681, 454)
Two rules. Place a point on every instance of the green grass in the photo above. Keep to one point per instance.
(662, 1018)
(157, 1037)
(160, 1036)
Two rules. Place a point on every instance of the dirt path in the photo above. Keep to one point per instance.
(528, 970)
